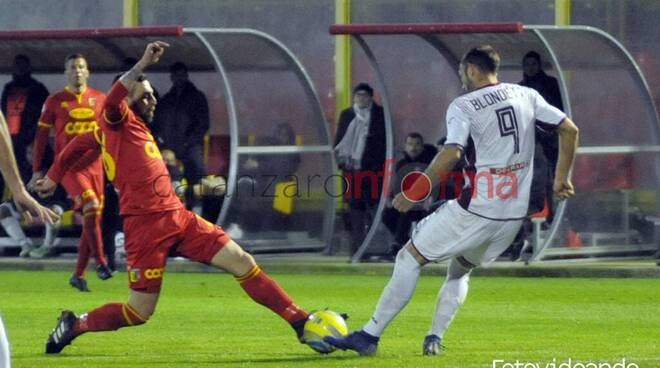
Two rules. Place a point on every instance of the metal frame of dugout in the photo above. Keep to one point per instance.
(250, 72)
(593, 69)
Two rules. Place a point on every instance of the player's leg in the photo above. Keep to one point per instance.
(208, 243)
(438, 236)
(74, 189)
(145, 264)
(47, 248)
(395, 296)
(450, 298)
(5, 360)
(258, 285)
(9, 221)
(92, 231)
(455, 288)
(109, 317)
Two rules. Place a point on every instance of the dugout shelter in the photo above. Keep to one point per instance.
(617, 172)
(254, 86)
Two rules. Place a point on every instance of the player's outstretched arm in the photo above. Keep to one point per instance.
(82, 151)
(441, 166)
(568, 143)
(9, 171)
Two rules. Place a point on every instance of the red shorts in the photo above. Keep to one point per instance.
(152, 237)
(80, 185)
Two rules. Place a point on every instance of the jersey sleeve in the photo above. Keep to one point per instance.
(77, 155)
(46, 122)
(458, 126)
(545, 112)
(115, 109)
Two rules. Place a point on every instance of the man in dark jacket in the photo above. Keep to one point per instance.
(22, 99)
(181, 121)
(547, 147)
(360, 151)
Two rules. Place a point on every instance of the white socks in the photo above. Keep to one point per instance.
(15, 231)
(51, 230)
(5, 362)
(451, 297)
(397, 293)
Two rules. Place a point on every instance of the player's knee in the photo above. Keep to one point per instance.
(406, 259)
(143, 312)
(459, 268)
(90, 205)
(247, 260)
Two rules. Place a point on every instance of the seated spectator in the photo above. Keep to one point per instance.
(416, 157)
(258, 177)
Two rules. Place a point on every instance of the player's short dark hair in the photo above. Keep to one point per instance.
(179, 66)
(416, 135)
(533, 55)
(483, 57)
(74, 57)
(22, 57)
(363, 87)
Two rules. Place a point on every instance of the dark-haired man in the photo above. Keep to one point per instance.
(22, 99)
(181, 121)
(360, 152)
(155, 222)
(73, 111)
(493, 125)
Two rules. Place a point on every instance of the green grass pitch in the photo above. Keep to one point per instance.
(205, 320)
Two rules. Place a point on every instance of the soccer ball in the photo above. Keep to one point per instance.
(321, 324)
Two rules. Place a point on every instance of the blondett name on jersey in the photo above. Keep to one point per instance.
(500, 121)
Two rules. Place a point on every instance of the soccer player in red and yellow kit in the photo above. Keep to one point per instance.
(155, 221)
(73, 111)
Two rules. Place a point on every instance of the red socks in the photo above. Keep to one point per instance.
(90, 242)
(265, 291)
(109, 317)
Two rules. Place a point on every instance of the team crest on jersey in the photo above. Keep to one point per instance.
(134, 275)
(91, 101)
(63, 104)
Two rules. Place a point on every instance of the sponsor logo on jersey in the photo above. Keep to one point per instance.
(79, 127)
(154, 273)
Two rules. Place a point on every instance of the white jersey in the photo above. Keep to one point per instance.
(499, 119)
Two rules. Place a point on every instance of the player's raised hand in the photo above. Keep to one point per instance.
(45, 187)
(153, 52)
(29, 207)
(563, 189)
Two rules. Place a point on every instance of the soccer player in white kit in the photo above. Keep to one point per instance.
(24, 202)
(493, 125)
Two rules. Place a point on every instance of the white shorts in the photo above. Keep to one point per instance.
(451, 231)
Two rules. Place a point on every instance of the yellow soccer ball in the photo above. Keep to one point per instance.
(321, 324)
